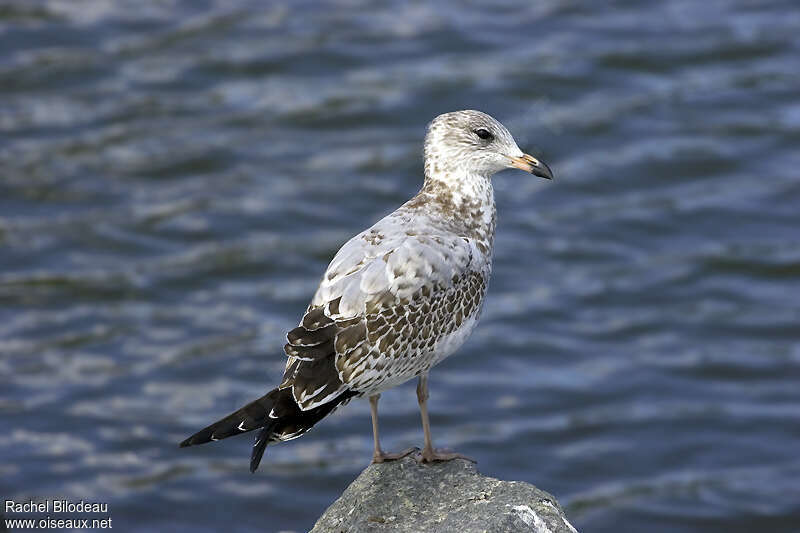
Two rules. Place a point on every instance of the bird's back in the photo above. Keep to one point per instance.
(395, 300)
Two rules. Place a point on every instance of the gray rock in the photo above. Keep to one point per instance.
(406, 497)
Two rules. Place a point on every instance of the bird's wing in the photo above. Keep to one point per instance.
(391, 291)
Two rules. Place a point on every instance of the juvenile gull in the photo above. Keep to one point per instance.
(397, 298)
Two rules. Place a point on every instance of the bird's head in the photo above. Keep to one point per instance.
(473, 142)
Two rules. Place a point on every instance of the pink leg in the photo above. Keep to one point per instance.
(378, 455)
(429, 453)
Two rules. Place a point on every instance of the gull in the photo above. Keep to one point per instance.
(398, 298)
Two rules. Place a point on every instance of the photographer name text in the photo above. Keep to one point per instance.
(55, 506)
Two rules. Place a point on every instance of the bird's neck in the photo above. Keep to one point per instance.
(465, 201)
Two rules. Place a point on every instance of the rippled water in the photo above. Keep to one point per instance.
(176, 176)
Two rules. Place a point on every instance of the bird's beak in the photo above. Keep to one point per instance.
(528, 163)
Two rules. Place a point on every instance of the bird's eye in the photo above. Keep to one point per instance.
(483, 133)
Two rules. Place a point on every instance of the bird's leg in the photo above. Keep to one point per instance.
(429, 453)
(378, 455)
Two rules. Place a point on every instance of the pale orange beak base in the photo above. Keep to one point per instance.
(530, 164)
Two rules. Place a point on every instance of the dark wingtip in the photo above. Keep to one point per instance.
(258, 448)
(202, 436)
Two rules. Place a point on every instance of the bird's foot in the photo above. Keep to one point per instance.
(381, 456)
(430, 455)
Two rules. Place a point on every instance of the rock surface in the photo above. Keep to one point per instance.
(403, 496)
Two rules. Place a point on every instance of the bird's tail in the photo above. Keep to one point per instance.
(276, 413)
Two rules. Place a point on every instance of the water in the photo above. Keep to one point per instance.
(176, 176)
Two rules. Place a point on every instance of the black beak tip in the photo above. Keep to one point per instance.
(543, 171)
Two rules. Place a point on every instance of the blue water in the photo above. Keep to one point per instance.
(175, 176)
